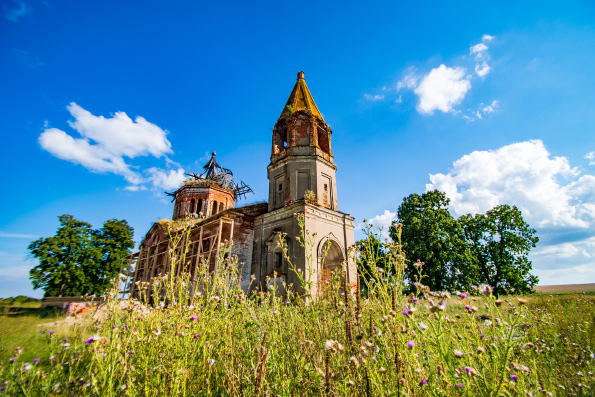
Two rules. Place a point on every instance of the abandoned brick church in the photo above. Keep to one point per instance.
(301, 164)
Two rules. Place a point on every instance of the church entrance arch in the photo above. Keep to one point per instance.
(331, 259)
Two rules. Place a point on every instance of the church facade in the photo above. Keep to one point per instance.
(302, 181)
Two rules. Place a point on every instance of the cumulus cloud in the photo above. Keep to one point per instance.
(381, 223)
(591, 157)
(19, 10)
(166, 179)
(104, 143)
(445, 87)
(441, 89)
(547, 189)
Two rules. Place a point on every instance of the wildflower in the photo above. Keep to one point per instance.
(480, 350)
(194, 318)
(458, 353)
(354, 361)
(51, 332)
(460, 385)
(498, 302)
(463, 295)
(422, 326)
(157, 332)
(514, 377)
(27, 367)
(214, 299)
(411, 344)
(468, 308)
(522, 301)
(211, 362)
(422, 381)
(405, 312)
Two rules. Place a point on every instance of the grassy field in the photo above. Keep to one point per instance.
(370, 341)
(266, 347)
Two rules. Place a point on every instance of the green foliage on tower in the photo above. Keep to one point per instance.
(78, 259)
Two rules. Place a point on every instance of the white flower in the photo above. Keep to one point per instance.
(211, 362)
(422, 326)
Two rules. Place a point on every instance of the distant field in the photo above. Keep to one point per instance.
(565, 288)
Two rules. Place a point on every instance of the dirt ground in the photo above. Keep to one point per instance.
(565, 288)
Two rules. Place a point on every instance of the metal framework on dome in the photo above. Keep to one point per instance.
(216, 175)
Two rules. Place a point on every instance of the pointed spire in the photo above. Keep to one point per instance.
(301, 100)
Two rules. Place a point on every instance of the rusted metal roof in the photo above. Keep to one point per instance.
(300, 100)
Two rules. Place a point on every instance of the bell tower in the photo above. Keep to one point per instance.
(302, 166)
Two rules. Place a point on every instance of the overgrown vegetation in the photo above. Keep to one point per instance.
(205, 337)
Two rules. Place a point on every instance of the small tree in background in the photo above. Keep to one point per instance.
(79, 260)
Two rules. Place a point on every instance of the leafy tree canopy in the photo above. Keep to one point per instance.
(78, 259)
(490, 248)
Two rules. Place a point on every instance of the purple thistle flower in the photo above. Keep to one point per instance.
(128, 352)
(514, 377)
(64, 340)
(414, 300)
(51, 332)
(463, 295)
(90, 340)
(196, 336)
(36, 360)
(468, 308)
(405, 312)
(460, 385)
(423, 381)
(411, 344)
(468, 370)
(194, 318)
(3, 388)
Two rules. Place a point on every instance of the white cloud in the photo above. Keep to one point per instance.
(441, 89)
(481, 56)
(105, 142)
(409, 81)
(163, 179)
(21, 9)
(522, 174)
(381, 223)
(591, 157)
(374, 97)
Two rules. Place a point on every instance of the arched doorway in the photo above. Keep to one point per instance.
(330, 256)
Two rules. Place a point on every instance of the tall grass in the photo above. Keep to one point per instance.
(204, 336)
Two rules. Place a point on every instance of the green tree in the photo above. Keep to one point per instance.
(371, 255)
(431, 235)
(498, 244)
(79, 260)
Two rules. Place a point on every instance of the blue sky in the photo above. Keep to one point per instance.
(104, 104)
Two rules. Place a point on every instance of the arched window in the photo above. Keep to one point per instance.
(323, 139)
(192, 208)
(199, 206)
(214, 208)
(221, 207)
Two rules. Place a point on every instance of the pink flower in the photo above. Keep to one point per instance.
(411, 344)
(463, 295)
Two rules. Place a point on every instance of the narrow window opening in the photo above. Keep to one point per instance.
(278, 260)
(199, 206)
(221, 207)
(192, 206)
(214, 208)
